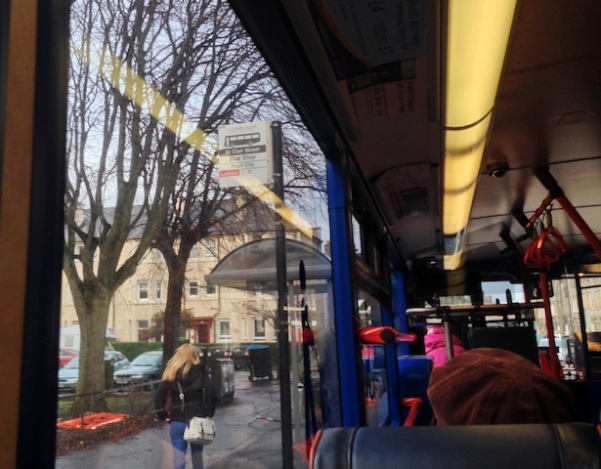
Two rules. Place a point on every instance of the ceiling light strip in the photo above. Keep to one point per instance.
(478, 34)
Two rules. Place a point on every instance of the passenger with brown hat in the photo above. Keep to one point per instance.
(494, 386)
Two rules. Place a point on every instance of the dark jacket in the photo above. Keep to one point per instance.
(200, 395)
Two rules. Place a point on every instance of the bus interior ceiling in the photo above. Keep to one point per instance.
(390, 115)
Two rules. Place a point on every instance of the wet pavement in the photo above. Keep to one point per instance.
(249, 436)
(151, 449)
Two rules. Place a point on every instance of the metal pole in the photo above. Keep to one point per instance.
(553, 359)
(282, 319)
(448, 336)
(293, 318)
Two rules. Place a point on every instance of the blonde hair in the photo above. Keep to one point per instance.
(184, 357)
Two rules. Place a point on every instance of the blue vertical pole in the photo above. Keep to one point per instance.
(400, 324)
(393, 393)
(343, 265)
(400, 307)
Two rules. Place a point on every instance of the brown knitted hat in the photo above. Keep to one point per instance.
(488, 386)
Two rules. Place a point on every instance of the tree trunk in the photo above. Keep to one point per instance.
(173, 308)
(92, 322)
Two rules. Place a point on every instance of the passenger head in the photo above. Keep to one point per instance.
(184, 357)
(490, 386)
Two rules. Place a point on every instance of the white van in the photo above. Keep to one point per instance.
(70, 337)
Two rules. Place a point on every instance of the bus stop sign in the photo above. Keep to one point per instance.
(245, 154)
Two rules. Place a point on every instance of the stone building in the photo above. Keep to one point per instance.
(217, 314)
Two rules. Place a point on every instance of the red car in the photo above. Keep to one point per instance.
(65, 355)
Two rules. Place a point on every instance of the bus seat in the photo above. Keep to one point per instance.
(414, 376)
(520, 340)
(522, 446)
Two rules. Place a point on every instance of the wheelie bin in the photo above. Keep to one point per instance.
(259, 360)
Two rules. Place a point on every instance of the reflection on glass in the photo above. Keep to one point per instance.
(357, 236)
(149, 86)
(374, 367)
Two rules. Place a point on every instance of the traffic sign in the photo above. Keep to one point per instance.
(245, 154)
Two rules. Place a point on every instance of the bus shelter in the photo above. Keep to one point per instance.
(252, 267)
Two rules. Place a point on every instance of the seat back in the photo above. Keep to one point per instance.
(414, 375)
(520, 340)
(525, 446)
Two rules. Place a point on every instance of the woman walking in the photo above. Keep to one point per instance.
(200, 399)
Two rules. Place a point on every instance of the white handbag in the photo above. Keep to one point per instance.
(200, 430)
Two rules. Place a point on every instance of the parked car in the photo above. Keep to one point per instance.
(65, 355)
(145, 368)
(69, 374)
(117, 358)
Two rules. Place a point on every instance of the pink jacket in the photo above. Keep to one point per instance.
(435, 347)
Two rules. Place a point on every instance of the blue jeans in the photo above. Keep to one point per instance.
(180, 447)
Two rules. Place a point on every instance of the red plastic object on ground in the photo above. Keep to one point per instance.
(92, 421)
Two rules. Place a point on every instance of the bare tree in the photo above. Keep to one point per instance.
(124, 150)
(236, 87)
(150, 82)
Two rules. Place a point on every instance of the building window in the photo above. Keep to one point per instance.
(194, 252)
(260, 329)
(142, 291)
(158, 255)
(210, 249)
(159, 291)
(224, 329)
(193, 289)
(143, 330)
(211, 289)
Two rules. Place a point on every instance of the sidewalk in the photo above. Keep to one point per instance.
(248, 437)
(151, 449)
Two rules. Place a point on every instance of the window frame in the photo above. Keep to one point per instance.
(140, 290)
(193, 285)
(256, 335)
(221, 323)
(210, 245)
(213, 288)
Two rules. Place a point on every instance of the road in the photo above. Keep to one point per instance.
(249, 436)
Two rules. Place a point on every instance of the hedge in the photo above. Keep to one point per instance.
(132, 349)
